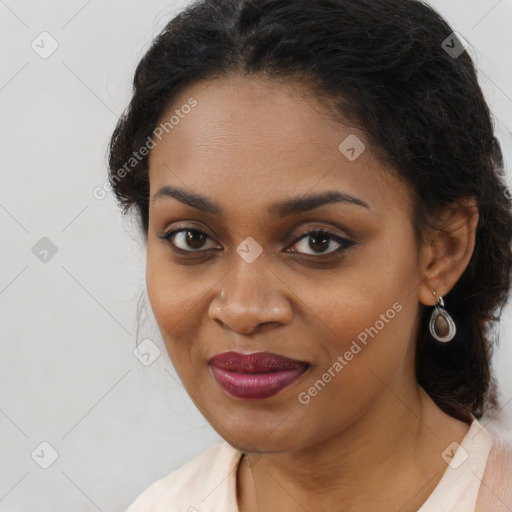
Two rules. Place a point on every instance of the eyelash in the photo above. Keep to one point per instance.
(345, 244)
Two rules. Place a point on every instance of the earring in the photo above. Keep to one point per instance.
(442, 326)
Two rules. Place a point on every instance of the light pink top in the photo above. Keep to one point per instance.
(207, 483)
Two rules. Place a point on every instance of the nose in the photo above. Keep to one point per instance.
(252, 299)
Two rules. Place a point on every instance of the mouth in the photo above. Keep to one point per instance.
(255, 376)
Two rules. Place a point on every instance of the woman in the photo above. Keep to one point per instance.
(328, 241)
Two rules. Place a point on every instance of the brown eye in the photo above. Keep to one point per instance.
(312, 243)
(187, 240)
(319, 242)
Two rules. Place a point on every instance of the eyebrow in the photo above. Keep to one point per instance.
(282, 209)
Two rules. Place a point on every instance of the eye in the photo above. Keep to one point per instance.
(320, 241)
(186, 240)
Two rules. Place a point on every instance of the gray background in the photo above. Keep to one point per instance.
(68, 375)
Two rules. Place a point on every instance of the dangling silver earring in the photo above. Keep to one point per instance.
(442, 326)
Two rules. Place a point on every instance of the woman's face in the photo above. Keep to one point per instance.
(248, 278)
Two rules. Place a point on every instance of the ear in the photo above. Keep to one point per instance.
(446, 251)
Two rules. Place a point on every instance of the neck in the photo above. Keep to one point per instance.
(390, 455)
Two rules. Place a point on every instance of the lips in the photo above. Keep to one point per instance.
(257, 375)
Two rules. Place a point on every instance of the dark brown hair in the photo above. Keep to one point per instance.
(385, 66)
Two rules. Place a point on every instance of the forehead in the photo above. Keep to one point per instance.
(264, 140)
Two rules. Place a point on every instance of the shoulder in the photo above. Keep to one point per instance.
(496, 489)
(186, 487)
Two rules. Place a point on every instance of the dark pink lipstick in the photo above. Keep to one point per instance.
(257, 375)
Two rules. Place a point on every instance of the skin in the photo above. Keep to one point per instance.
(372, 438)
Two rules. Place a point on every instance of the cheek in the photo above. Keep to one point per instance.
(173, 290)
(369, 294)
(162, 286)
(365, 352)
(369, 329)
(173, 294)
(366, 316)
